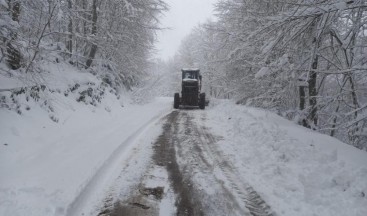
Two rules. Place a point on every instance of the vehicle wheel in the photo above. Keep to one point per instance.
(202, 101)
(176, 101)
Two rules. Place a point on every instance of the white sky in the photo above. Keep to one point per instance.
(181, 18)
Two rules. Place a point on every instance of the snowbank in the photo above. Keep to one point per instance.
(297, 171)
(48, 155)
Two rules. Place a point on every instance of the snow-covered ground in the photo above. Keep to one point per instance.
(44, 165)
(295, 170)
(59, 156)
(52, 147)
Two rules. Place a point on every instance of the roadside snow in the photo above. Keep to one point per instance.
(66, 168)
(296, 171)
(46, 166)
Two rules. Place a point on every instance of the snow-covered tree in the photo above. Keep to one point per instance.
(115, 35)
(9, 26)
(304, 59)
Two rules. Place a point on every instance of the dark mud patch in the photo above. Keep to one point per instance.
(139, 205)
(131, 209)
(156, 192)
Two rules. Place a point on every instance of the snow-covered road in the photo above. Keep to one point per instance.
(195, 174)
(235, 160)
(152, 160)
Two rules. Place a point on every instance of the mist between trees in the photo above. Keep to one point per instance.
(117, 35)
(304, 59)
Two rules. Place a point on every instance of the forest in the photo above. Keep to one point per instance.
(303, 59)
(115, 35)
(95, 120)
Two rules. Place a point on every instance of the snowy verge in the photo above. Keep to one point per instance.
(136, 147)
(45, 165)
(55, 137)
(296, 171)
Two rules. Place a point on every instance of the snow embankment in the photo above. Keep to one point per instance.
(297, 171)
(50, 153)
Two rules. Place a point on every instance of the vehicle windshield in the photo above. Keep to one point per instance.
(190, 75)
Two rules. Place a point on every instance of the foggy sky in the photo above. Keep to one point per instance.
(181, 18)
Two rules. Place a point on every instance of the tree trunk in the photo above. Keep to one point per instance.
(85, 17)
(94, 47)
(16, 10)
(312, 92)
(69, 44)
(13, 56)
(302, 103)
(332, 133)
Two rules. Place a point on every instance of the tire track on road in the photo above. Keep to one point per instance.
(201, 177)
(251, 199)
